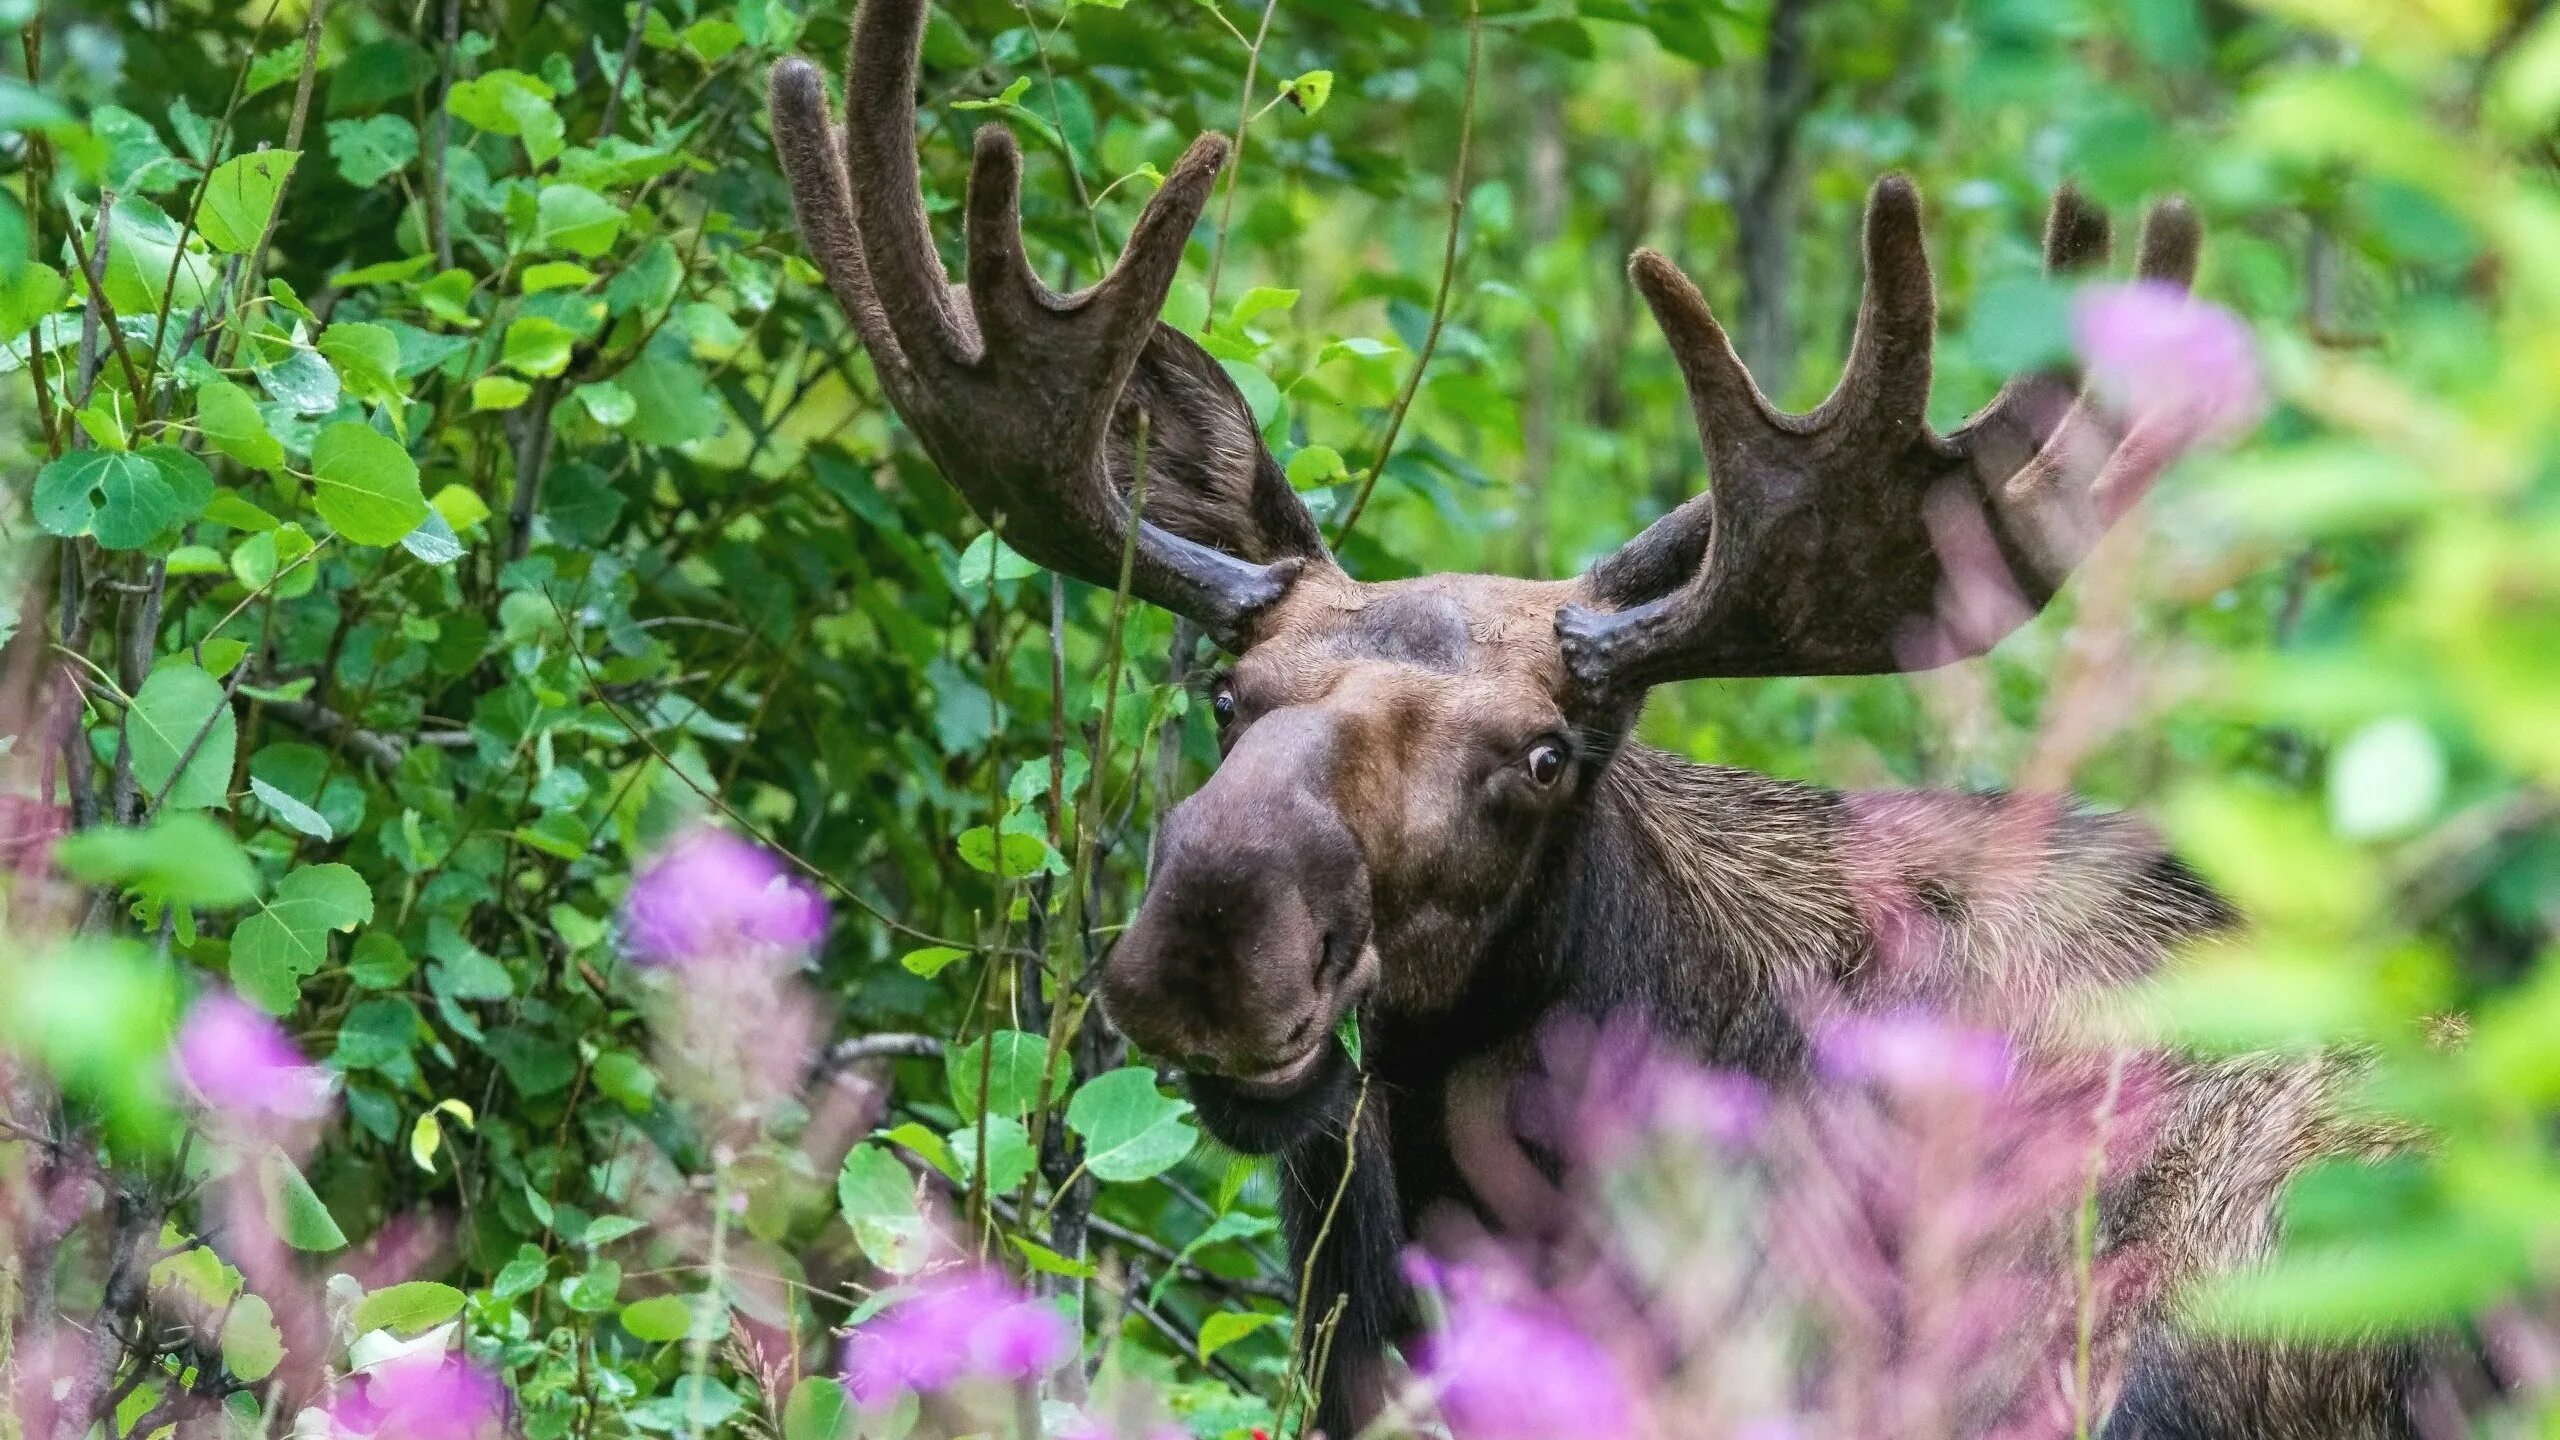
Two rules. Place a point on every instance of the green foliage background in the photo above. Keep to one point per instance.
(442, 475)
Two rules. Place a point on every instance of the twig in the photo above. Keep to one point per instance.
(1235, 167)
(1300, 1347)
(1440, 301)
(884, 1046)
(622, 76)
(385, 751)
(439, 129)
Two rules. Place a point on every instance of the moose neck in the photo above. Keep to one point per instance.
(1713, 902)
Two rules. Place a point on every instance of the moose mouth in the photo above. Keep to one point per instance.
(1284, 1078)
(1265, 1113)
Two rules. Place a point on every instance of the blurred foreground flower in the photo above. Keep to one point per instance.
(244, 1065)
(428, 1397)
(1915, 1052)
(713, 896)
(1514, 1368)
(2157, 353)
(964, 1324)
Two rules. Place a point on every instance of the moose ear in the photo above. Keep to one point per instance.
(1209, 477)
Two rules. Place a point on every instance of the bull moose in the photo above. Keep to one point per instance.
(1429, 809)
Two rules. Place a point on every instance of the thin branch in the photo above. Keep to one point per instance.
(622, 76)
(1235, 167)
(1448, 271)
(439, 131)
(886, 1046)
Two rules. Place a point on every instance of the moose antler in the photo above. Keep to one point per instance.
(1843, 542)
(1023, 396)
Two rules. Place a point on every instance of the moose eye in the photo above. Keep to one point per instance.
(1222, 704)
(1546, 762)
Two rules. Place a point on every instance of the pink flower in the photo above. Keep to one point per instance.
(713, 896)
(2155, 352)
(1914, 1051)
(428, 1397)
(244, 1065)
(28, 829)
(966, 1323)
(1517, 1369)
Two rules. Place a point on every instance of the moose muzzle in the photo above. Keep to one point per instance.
(1254, 935)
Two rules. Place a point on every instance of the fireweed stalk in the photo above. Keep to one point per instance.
(722, 928)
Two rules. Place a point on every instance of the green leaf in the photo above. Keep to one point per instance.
(537, 345)
(176, 704)
(275, 67)
(365, 484)
(231, 422)
(367, 358)
(658, 1319)
(576, 219)
(1024, 855)
(523, 1275)
(295, 1210)
(240, 196)
(1007, 563)
(288, 939)
(264, 557)
(252, 1346)
(878, 1199)
(510, 102)
(1049, 1262)
(1010, 1155)
(1132, 1130)
(610, 404)
(290, 812)
(499, 392)
(1309, 91)
(410, 1309)
(120, 497)
(181, 858)
(372, 150)
(649, 282)
(1013, 1074)
(1261, 300)
(555, 275)
(29, 296)
(1315, 465)
(596, 1291)
(932, 960)
(1229, 1326)
(818, 1410)
(671, 401)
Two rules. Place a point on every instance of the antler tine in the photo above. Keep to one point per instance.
(2172, 238)
(1731, 414)
(2076, 236)
(888, 191)
(804, 139)
(1727, 401)
(1887, 378)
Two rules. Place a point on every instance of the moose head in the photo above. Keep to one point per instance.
(1404, 760)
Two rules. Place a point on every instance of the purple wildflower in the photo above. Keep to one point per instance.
(2153, 351)
(1517, 1369)
(428, 1397)
(1913, 1051)
(713, 896)
(244, 1065)
(963, 1324)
